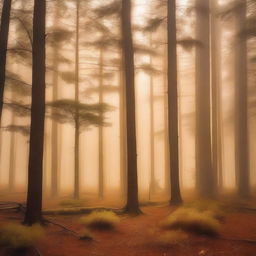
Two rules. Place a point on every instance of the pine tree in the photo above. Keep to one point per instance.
(4, 33)
(35, 170)
(173, 104)
(205, 176)
(132, 206)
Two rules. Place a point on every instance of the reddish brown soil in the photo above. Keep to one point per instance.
(138, 237)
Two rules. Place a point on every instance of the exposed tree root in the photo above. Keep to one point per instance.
(63, 227)
(4, 206)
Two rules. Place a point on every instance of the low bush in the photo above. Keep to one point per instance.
(174, 237)
(101, 220)
(86, 235)
(214, 208)
(192, 220)
(16, 236)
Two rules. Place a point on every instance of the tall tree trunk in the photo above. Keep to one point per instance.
(122, 125)
(12, 158)
(205, 176)
(35, 172)
(4, 33)
(173, 104)
(132, 206)
(101, 142)
(216, 96)
(241, 111)
(166, 135)
(152, 132)
(77, 122)
(45, 159)
(55, 153)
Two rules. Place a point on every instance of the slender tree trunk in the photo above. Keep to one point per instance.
(77, 122)
(132, 206)
(173, 104)
(166, 135)
(4, 33)
(76, 159)
(35, 172)
(241, 111)
(152, 140)
(101, 142)
(55, 153)
(205, 176)
(152, 133)
(216, 97)
(12, 158)
(45, 174)
(122, 125)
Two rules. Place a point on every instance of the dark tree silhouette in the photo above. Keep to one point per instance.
(173, 104)
(35, 170)
(132, 206)
(4, 32)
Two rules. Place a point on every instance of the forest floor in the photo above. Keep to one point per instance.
(137, 236)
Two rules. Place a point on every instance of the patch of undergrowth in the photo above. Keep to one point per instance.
(86, 235)
(101, 220)
(70, 203)
(212, 207)
(192, 220)
(17, 236)
(173, 237)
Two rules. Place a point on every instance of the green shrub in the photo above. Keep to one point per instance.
(16, 236)
(214, 208)
(70, 203)
(193, 220)
(101, 220)
(174, 237)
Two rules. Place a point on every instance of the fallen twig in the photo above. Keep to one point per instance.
(82, 210)
(238, 240)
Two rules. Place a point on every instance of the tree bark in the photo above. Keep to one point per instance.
(205, 176)
(35, 173)
(132, 206)
(77, 122)
(12, 158)
(55, 153)
(122, 125)
(4, 34)
(101, 142)
(166, 134)
(173, 104)
(216, 97)
(241, 105)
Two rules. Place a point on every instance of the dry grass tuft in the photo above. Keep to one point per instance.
(17, 236)
(192, 220)
(214, 208)
(86, 235)
(101, 220)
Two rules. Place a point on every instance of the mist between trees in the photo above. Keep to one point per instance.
(133, 100)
